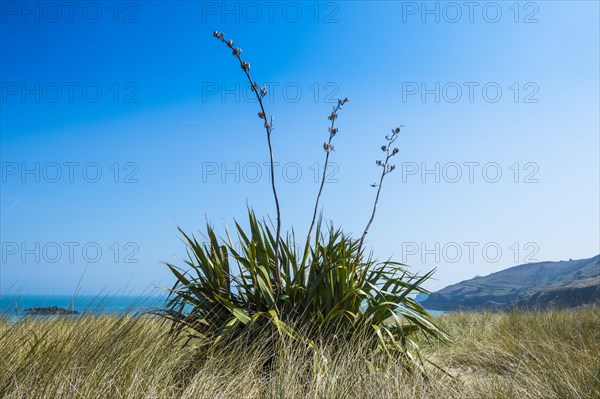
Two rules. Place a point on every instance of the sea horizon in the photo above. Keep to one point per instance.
(12, 305)
(16, 304)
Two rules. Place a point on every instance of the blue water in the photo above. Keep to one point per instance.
(15, 305)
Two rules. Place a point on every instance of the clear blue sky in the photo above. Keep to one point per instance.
(120, 122)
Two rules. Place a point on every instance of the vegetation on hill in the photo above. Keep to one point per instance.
(561, 284)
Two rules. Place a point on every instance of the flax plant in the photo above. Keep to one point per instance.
(329, 291)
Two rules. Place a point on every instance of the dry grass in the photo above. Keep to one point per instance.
(553, 354)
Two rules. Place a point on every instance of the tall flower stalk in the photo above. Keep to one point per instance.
(386, 168)
(328, 147)
(268, 125)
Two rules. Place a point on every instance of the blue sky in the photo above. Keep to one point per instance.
(121, 121)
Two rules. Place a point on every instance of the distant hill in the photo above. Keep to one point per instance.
(534, 285)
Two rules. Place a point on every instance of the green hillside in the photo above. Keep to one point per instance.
(544, 284)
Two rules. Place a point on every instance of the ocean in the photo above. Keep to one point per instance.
(15, 305)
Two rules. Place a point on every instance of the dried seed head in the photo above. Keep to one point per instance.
(263, 91)
(254, 86)
(267, 125)
(383, 148)
(333, 116)
(379, 163)
(237, 51)
(397, 130)
(327, 147)
(216, 33)
(332, 131)
(395, 151)
(261, 115)
(230, 43)
(245, 66)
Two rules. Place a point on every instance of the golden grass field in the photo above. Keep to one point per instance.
(549, 354)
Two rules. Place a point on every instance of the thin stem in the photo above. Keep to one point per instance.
(385, 170)
(328, 148)
(268, 128)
